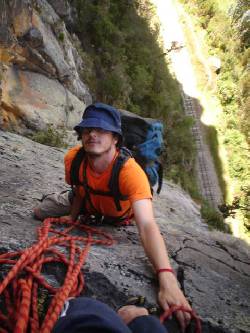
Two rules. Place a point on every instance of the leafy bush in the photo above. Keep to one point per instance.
(213, 218)
(61, 36)
(51, 137)
(245, 204)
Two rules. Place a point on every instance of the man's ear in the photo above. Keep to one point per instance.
(119, 140)
(79, 135)
(116, 138)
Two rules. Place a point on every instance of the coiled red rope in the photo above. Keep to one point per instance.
(19, 288)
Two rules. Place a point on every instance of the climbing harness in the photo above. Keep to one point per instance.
(21, 286)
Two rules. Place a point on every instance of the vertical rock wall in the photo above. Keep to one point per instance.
(39, 67)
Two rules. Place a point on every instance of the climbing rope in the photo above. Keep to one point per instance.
(168, 313)
(58, 242)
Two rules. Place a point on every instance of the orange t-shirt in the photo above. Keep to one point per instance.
(133, 183)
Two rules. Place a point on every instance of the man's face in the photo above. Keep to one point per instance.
(97, 141)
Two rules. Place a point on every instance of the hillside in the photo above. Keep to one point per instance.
(222, 30)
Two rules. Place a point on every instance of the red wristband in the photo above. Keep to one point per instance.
(165, 270)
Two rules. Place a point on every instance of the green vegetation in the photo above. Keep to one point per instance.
(213, 218)
(51, 137)
(129, 70)
(212, 139)
(228, 37)
(61, 36)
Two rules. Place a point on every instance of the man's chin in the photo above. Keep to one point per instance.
(93, 153)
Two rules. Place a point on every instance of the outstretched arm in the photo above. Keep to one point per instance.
(154, 246)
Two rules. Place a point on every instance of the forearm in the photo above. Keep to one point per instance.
(151, 237)
(154, 246)
(156, 251)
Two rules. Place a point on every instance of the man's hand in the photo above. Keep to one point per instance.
(130, 312)
(170, 294)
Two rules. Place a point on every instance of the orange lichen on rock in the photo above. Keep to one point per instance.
(22, 22)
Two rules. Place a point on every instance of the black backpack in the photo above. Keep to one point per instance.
(143, 140)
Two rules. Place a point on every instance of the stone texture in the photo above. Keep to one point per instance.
(36, 46)
(65, 11)
(245, 28)
(31, 100)
(214, 268)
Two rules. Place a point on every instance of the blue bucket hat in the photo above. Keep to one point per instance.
(101, 115)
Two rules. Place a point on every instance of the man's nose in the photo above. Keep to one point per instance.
(93, 131)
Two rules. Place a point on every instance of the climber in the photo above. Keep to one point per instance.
(101, 137)
(91, 316)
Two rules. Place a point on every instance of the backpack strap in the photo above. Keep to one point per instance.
(75, 167)
(114, 187)
(160, 179)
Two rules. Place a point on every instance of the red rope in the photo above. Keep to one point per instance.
(168, 313)
(19, 288)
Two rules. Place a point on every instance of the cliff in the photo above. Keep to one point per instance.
(40, 67)
(213, 268)
(40, 85)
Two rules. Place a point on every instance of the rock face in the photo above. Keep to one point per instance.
(214, 268)
(245, 28)
(240, 14)
(40, 67)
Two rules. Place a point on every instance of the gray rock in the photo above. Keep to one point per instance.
(61, 7)
(37, 101)
(34, 38)
(6, 38)
(36, 45)
(65, 11)
(245, 20)
(245, 28)
(214, 268)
